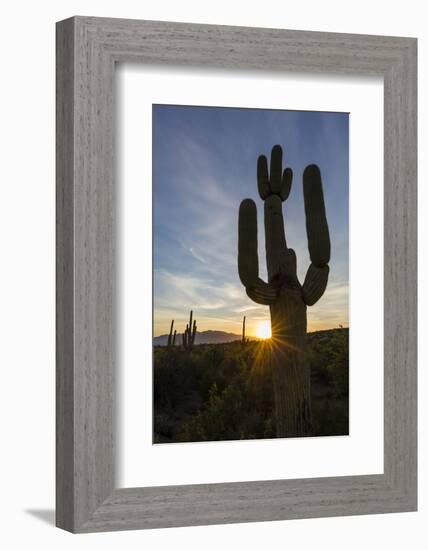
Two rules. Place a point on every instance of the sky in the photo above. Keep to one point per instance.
(204, 165)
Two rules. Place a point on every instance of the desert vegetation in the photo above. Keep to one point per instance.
(225, 391)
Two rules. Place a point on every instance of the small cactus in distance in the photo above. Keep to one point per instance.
(190, 333)
(244, 340)
(171, 336)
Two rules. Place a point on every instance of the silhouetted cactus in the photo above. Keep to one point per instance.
(244, 340)
(283, 293)
(171, 336)
(190, 333)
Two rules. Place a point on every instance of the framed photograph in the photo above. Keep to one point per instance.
(236, 274)
(240, 368)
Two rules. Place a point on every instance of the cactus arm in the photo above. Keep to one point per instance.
(318, 236)
(263, 293)
(287, 178)
(262, 177)
(173, 338)
(315, 284)
(248, 261)
(316, 221)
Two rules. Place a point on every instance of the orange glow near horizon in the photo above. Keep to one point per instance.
(163, 322)
(264, 330)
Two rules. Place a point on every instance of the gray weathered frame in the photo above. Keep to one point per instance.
(87, 50)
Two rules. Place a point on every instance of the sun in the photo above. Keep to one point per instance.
(264, 330)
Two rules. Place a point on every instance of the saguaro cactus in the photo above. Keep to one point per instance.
(171, 336)
(244, 340)
(283, 293)
(190, 333)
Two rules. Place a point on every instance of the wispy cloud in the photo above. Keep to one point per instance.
(203, 166)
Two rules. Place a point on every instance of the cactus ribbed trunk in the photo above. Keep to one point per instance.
(290, 369)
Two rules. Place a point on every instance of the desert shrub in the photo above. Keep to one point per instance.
(328, 356)
(224, 391)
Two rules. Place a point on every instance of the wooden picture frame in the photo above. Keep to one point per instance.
(87, 50)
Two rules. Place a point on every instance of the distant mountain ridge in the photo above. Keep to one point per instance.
(204, 337)
(221, 337)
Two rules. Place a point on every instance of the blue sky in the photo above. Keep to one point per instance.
(204, 165)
